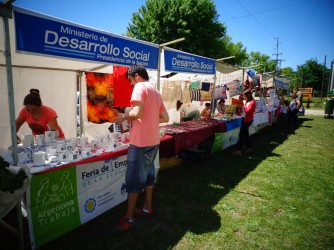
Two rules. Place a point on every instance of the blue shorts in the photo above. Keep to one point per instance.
(140, 170)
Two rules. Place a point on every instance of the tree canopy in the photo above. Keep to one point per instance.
(196, 20)
(160, 21)
(265, 64)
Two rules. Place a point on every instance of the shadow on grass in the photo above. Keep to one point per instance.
(183, 200)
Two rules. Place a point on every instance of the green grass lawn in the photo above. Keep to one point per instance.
(281, 196)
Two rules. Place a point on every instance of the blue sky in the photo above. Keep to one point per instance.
(303, 28)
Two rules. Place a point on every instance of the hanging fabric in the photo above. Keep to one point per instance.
(122, 87)
(100, 98)
(177, 92)
(235, 88)
(195, 94)
(186, 94)
(206, 95)
(169, 92)
(206, 86)
(194, 85)
(220, 93)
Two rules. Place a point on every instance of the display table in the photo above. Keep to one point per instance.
(231, 135)
(261, 119)
(61, 199)
(187, 134)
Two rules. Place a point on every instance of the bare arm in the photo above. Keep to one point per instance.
(298, 104)
(163, 116)
(19, 121)
(53, 124)
(135, 113)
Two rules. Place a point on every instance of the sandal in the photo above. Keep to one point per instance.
(141, 212)
(124, 225)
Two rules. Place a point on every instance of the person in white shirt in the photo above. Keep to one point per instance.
(188, 111)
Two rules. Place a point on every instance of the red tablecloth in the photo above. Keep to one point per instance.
(188, 134)
(180, 137)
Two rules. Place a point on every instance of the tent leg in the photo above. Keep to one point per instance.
(20, 225)
(8, 227)
(19, 231)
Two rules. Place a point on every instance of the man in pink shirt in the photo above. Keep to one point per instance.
(147, 112)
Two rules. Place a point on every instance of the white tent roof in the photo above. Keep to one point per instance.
(57, 80)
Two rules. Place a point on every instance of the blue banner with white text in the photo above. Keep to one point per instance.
(177, 61)
(45, 35)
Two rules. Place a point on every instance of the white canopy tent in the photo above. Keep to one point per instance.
(58, 80)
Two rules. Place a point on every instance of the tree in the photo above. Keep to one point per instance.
(265, 64)
(160, 21)
(310, 74)
(235, 49)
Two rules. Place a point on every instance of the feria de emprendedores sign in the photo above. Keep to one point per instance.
(40, 34)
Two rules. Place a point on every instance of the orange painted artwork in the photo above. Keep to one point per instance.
(100, 98)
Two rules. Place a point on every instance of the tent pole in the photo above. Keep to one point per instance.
(81, 131)
(213, 101)
(158, 71)
(11, 104)
(10, 88)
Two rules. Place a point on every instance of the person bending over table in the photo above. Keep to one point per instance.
(188, 111)
(40, 118)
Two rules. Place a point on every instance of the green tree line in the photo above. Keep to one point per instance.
(160, 21)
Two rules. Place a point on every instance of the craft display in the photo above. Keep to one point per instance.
(58, 152)
(234, 88)
(192, 91)
(220, 92)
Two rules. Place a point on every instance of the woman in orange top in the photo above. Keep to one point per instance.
(40, 118)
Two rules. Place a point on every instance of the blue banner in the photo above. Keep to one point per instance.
(41, 34)
(177, 61)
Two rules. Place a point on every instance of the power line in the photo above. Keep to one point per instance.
(255, 34)
(255, 19)
(268, 10)
(303, 30)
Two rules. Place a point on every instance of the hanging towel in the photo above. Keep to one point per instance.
(206, 86)
(177, 92)
(194, 85)
(186, 95)
(195, 94)
(206, 95)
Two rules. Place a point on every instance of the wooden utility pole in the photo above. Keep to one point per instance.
(278, 61)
